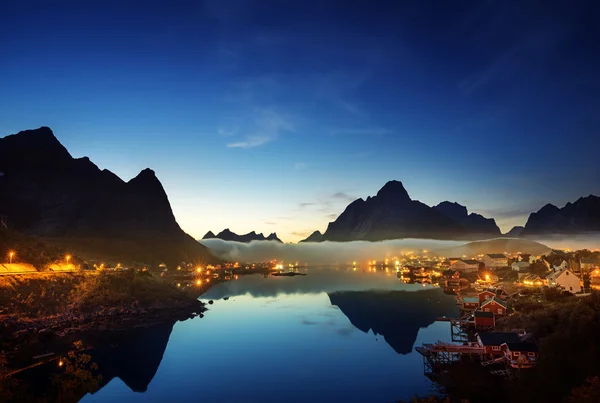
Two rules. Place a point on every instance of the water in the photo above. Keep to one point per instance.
(333, 335)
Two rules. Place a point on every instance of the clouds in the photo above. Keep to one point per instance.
(268, 125)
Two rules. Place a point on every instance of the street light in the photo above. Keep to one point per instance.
(10, 256)
(68, 257)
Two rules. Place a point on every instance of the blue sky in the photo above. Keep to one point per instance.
(273, 115)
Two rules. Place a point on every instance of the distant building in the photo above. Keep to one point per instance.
(564, 279)
(495, 305)
(531, 280)
(520, 266)
(589, 264)
(492, 341)
(485, 295)
(495, 260)
(470, 303)
(484, 320)
(520, 354)
(465, 265)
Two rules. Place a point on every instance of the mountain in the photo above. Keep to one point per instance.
(395, 315)
(515, 232)
(228, 235)
(475, 223)
(314, 237)
(48, 193)
(578, 217)
(392, 214)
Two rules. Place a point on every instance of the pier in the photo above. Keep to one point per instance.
(439, 354)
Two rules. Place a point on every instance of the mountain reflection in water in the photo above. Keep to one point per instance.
(307, 338)
(396, 315)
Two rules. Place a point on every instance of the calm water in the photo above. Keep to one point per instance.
(333, 335)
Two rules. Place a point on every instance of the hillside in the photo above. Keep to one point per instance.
(499, 245)
(50, 195)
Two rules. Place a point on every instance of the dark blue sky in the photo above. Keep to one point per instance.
(273, 115)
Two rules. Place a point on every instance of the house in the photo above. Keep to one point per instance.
(564, 279)
(492, 341)
(589, 264)
(520, 354)
(520, 266)
(470, 303)
(485, 295)
(561, 264)
(465, 265)
(495, 305)
(484, 320)
(531, 280)
(495, 260)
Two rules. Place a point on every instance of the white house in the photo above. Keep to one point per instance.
(564, 279)
(520, 266)
(495, 260)
(465, 265)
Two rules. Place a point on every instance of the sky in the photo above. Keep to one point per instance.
(274, 115)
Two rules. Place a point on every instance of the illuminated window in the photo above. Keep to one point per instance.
(516, 353)
(496, 348)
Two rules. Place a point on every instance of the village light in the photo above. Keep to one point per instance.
(199, 269)
(60, 363)
(199, 282)
(10, 256)
(67, 258)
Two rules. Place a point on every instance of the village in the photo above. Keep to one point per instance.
(489, 291)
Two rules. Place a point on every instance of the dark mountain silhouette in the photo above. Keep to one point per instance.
(209, 235)
(578, 217)
(392, 214)
(47, 193)
(396, 315)
(134, 356)
(515, 232)
(228, 235)
(314, 237)
(474, 223)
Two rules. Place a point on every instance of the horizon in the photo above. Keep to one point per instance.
(274, 117)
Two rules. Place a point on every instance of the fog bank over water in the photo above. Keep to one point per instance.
(323, 252)
(361, 251)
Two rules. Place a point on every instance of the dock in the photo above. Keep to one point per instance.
(441, 353)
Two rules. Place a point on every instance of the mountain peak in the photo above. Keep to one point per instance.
(393, 189)
(32, 149)
(209, 235)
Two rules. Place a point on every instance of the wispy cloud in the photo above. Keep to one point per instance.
(269, 124)
(302, 205)
(224, 132)
(331, 216)
(299, 166)
(369, 131)
(270, 222)
(342, 196)
(303, 234)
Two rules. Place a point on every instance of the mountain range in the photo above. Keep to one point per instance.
(47, 193)
(228, 235)
(392, 214)
(581, 216)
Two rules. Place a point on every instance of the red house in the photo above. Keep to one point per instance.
(494, 305)
(484, 320)
(485, 295)
(492, 342)
(520, 355)
(470, 304)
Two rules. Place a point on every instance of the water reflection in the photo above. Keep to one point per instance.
(333, 335)
(396, 315)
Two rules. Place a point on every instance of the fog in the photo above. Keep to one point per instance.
(322, 252)
(360, 251)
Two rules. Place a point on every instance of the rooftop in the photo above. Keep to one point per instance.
(496, 339)
(496, 255)
(495, 299)
(521, 346)
(481, 314)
